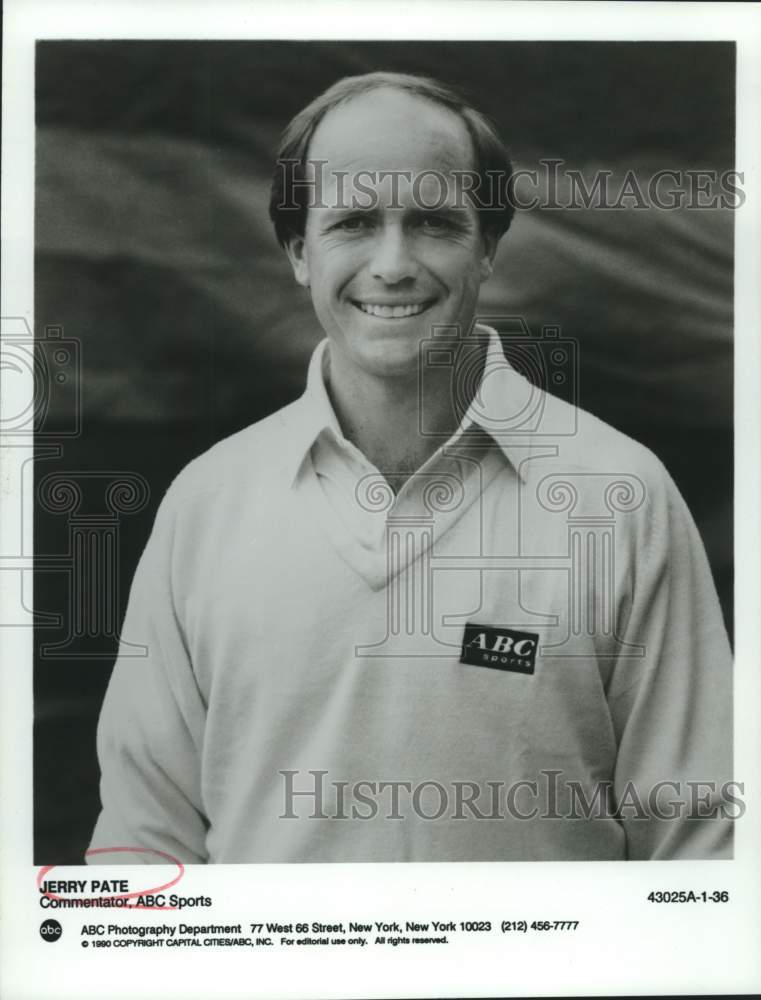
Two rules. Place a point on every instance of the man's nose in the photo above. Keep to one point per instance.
(392, 260)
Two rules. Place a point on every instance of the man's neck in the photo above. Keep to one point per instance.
(384, 417)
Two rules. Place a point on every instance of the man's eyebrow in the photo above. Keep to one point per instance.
(344, 207)
(458, 208)
(457, 213)
(328, 212)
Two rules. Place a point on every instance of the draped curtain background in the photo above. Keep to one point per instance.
(154, 250)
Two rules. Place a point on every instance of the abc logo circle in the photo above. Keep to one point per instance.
(50, 930)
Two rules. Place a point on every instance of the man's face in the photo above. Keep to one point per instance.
(383, 274)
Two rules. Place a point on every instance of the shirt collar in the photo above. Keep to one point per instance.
(501, 406)
(495, 408)
(314, 411)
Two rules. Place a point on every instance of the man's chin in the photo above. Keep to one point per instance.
(391, 360)
(386, 357)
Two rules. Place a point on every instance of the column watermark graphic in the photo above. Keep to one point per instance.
(91, 562)
(506, 394)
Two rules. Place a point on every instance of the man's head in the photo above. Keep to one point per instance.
(390, 198)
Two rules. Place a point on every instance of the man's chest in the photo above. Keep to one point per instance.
(465, 623)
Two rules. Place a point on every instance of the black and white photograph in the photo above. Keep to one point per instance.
(421, 395)
(376, 498)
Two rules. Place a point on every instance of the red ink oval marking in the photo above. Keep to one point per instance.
(126, 895)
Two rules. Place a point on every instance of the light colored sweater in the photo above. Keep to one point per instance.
(535, 606)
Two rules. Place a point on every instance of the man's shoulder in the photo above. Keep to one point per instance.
(592, 457)
(597, 474)
(259, 454)
(586, 443)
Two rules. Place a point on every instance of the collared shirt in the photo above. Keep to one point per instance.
(360, 493)
(525, 642)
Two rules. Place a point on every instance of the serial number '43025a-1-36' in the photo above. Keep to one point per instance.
(688, 896)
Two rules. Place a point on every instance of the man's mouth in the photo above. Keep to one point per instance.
(400, 310)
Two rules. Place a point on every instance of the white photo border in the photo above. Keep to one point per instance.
(628, 946)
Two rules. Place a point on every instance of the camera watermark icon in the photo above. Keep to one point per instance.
(41, 411)
(561, 527)
(47, 404)
(504, 387)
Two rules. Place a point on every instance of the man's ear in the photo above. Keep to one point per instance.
(489, 243)
(297, 255)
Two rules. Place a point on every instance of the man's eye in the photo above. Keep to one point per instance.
(354, 224)
(435, 224)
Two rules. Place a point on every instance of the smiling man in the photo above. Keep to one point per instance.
(427, 612)
(393, 249)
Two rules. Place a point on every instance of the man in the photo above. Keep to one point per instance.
(427, 612)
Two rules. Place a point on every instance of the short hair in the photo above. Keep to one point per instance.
(288, 192)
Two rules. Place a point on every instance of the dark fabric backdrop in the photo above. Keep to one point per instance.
(154, 250)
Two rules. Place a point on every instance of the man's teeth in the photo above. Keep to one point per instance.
(392, 312)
